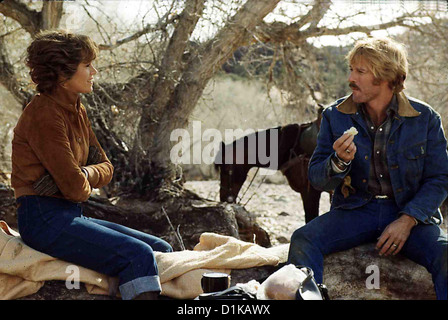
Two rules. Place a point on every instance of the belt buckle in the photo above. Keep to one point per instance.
(381, 197)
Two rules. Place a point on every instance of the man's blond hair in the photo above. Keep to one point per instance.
(387, 60)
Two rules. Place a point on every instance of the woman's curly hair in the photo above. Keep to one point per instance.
(55, 55)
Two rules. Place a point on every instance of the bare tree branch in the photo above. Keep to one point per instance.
(147, 29)
(8, 78)
(29, 19)
(314, 16)
(279, 32)
(51, 14)
(316, 32)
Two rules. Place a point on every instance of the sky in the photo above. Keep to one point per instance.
(136, 13)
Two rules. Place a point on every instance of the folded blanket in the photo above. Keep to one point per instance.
(181, 271)
(24, 270)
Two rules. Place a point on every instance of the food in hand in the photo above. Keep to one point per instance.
(352, 131)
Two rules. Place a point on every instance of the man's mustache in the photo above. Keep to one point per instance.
(353, 86)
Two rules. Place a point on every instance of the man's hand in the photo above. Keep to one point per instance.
(45, 185)
(345, 147)
(395, 235)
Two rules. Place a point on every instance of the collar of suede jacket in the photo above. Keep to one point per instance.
(66, 99)
(404, 106)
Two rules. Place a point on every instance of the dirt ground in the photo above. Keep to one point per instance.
(278, 209)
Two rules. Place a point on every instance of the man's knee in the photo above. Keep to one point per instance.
(298, 236)
(303, 237)
(302, 245)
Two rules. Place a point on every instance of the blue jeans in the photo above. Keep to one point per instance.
(340, 229)
(58, 228)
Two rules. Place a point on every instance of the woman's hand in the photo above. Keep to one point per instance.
(94, 156)
(45, 185)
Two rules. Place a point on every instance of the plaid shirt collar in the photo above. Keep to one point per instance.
(392, 108)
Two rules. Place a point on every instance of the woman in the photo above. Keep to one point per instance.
(56, 162)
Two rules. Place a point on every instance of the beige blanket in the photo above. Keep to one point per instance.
(24, 270)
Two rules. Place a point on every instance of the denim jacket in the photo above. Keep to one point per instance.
(417, 158)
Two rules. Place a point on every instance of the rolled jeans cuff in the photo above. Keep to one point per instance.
(133, 288)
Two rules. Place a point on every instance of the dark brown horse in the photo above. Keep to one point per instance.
(291, 146)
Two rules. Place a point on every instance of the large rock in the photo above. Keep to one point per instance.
(348, 275)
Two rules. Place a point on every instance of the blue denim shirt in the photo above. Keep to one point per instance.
(417, 158)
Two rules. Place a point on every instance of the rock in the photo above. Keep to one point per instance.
(444, 208)
(346, 274)
(7, 205)
(257, 273)
(283, 239)
(56, 290)
(248, 229)
(180, 221)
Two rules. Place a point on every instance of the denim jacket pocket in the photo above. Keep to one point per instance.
(416, 152)
(415, 160)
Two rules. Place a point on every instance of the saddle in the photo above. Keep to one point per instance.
(308, 139)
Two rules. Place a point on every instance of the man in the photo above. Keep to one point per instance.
(389, 179)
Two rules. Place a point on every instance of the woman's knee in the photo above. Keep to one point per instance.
(161, 246)
(134, 249)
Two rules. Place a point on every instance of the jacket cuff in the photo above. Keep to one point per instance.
(415, 220)
(335, 167)
(416, 214)
(84, 170)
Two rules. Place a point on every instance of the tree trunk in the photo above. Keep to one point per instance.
(174, 97)
(51, 14)
(166, 80)
(8, 77)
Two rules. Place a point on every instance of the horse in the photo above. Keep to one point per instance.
(294, 143)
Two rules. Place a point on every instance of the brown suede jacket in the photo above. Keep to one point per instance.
(53, 135)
